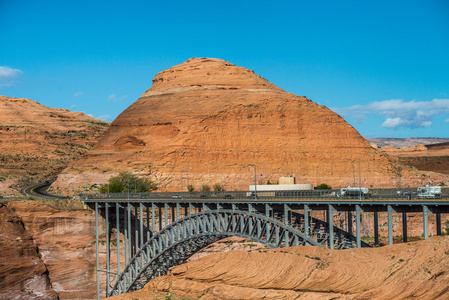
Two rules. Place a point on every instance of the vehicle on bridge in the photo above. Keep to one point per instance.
(429, 192)
(353, 192)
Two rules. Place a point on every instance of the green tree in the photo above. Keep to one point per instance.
(190, 188)
(323, 186)
(120, 183)
(205, 188)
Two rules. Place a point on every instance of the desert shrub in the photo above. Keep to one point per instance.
(217, 187)
(323, 186)
(120, 183)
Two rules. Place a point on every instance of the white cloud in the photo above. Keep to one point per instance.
(78, 94)
(399, 113)
(106, 118)
(447, 120)
(115, 98)
(7, 75)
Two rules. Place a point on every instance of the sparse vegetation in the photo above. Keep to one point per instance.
(205, 188)
(323, 186)
(218, 187)
(125, 180)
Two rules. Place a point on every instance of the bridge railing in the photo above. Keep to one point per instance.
(328, 194)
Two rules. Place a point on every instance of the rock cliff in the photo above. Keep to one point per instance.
(23, 275)
(38, 142)
(211, 118)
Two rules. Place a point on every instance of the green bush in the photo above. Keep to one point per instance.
(323, 186)
(120, 183)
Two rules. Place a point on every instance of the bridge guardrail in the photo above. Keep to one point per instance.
(374, 194)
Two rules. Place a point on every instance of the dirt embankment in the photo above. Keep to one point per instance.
(415, 270)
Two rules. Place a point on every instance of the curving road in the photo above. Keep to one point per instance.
(39, 190)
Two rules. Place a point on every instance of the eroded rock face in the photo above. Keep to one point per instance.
(66, 242)
(38, 142)
(210, 118)
(404, 271)
(23, 275)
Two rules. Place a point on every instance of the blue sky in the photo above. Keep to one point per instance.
(382, 65)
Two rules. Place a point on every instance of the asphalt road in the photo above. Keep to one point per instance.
(39, 190)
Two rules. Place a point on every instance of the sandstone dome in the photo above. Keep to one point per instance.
(210, 118)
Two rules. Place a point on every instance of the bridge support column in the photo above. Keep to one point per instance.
(306, 220)
(153, 219)
(287, 214)
(358, 212)
(108, 280)
(125, 231)
(178, 208)
(160, 218)
(129, 231)
(136, 230)
(438, 219)
(350, 222)
(330, 216)
(97, 251)
(426, 212)
(267, 210)
(376, 229)
(117, 216)
(165, 215)
(404, 227)
(390, 224)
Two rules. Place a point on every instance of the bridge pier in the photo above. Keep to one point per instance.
(438, 220)
(404, 227)
(330, 217)
(376, 229)
(426, 212)
(358, 211)
(390, 224)
(349, 213)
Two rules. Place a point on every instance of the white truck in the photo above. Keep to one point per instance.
(429, 192)
(353, 192)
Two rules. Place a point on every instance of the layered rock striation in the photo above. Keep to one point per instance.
(416, 270)
(38, 142)
(23, 275)
(211, 118)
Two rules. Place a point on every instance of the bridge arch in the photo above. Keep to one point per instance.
(175, 243)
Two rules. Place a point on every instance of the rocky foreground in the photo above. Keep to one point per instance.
(415, 270)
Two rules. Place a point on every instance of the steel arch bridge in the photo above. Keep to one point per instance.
(180, 239)
(158, 234)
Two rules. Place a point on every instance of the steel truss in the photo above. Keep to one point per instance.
(175, 243)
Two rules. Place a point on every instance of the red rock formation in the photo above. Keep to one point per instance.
(66, 241)
(37, 142)
(23, 275)
(416, 270)
(211, 118)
